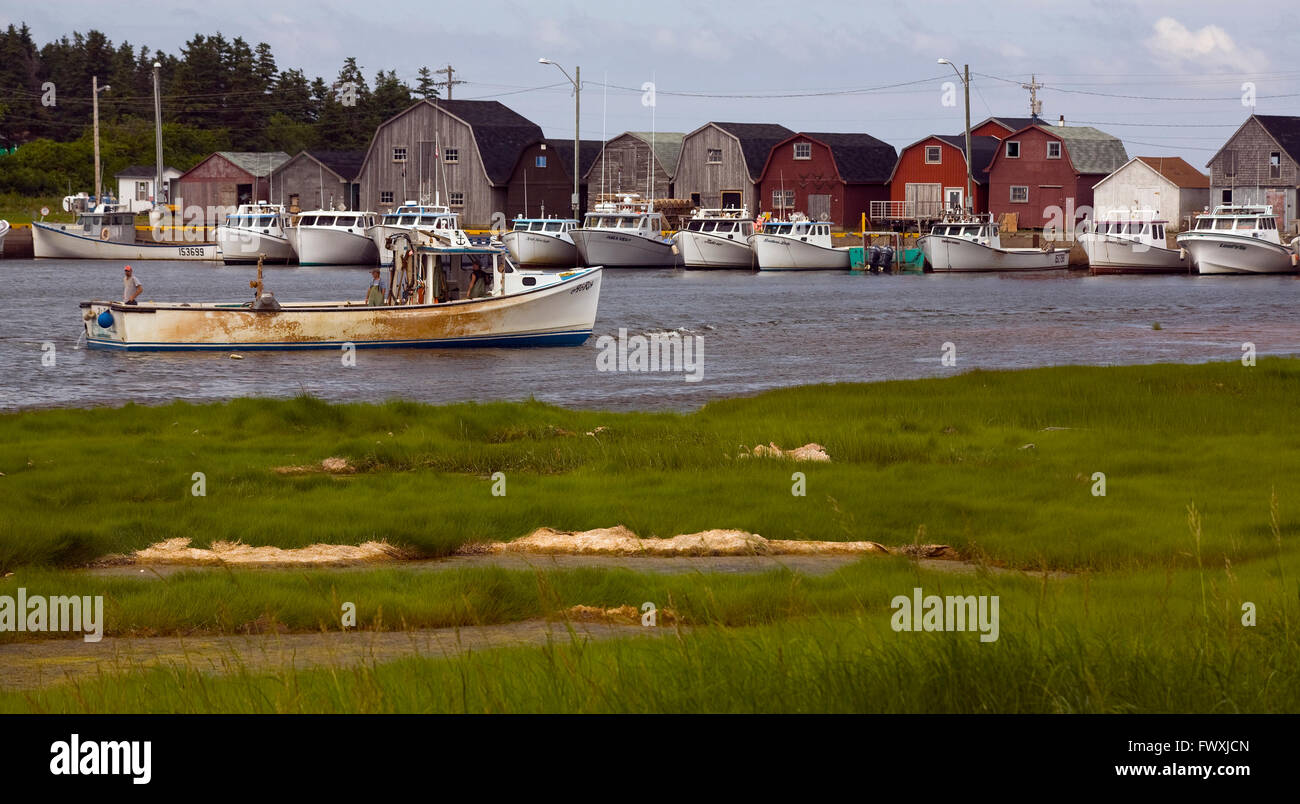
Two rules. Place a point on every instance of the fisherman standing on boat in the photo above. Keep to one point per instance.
(131, 287)
(378, 290)
(479, 277)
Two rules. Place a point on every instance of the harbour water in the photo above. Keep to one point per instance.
(758, 331)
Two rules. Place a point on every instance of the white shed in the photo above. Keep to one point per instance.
(1166, 184)
(135, 186)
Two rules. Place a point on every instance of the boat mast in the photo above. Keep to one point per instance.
(650, 167)
(157, 138)
(604, 133)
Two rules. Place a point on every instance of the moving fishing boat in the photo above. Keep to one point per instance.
(717, 238)
(105, 232)
(253, 231)
(542, 241)
(973, 244)
(626, 234)
(329, 237)
(798, 245)
(437, 296)
(406, 218)
(1239, 240)
(1131, 242)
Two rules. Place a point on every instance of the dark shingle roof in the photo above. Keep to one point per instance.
(588, 150)
(255, 163)
(1284, 129)
(1014, 123)
(1090, 150)
(500, 133)
(860, 158)
(347, 164)
(756, 142)
(982, 151)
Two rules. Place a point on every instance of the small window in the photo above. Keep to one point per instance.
(386, 197)
(539, 162)
(1275, 165)
(1013, 149)
(695, 199)
(789, 199)
(399, 154)
(1019, 194)
(1227, 196)
(1053, 150)
(715, 156)
(456, 199)
(933, 154)
(778, 198)
(451, 156)
(802, 150)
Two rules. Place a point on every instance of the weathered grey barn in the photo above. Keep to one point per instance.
(721, 163)
(225, 179)
(318, 180)
(624, 165)
(1257, 165)
(461, 153)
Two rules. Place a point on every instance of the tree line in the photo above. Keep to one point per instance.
(217, 94)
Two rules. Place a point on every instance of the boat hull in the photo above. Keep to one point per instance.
(780, 253)
(1230, 254)
(612, 249)
(1113, 255)
(241, 246)
(953, 254)
(532, 248)
(559, 314)
(332, 247)
(52, 243)
(702, 250)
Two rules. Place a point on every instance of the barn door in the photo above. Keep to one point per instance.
(819, 207)
(730, 200)
(1277, 200)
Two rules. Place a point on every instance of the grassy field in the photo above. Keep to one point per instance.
(1144, 614)
(23, 209)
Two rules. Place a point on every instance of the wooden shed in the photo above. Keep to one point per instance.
(721, 164)
(930, 177)
(1258, 165)
(1045, 173)
(224, 180)
(1168, 185)
(830, 177)
(624, 165)
(318, 180)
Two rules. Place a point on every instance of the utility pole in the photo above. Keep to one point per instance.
(94, 103)
(157, 137)
(577, 101)
(970, 169)
(450, 82)
(1035, 105)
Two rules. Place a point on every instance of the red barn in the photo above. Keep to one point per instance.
(1041, 171)
(1000, 127)
(832, 177)
(930, 177)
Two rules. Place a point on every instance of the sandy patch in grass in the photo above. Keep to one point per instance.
(333, 466)
(618, 615)
(621, 541)
(178, 551)
(808, 452)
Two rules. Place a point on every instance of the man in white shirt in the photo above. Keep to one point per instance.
(131, 287)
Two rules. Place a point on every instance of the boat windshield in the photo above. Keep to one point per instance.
(325, 220)
(307, 220)
(554, 226)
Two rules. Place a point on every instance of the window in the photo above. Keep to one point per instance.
(386, 197)
(1013, 149)
(789, 199)
(1053, 150)
(1227, 196)
(1019, 194)
(399, 154)
(142, 190)
(778, 199)
(539, 162)
(933, 154)
(1275, 165)
(456, 199)
(695, 199)
(802, 150)
(451, 156)
(714, 156)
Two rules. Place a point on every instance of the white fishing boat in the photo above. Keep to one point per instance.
(625, 234)
(797, 245)
(1131, 242)
(4, 230)
(542, 241)
(438, 296)
(106, 233)
(717, 238)
(975, 245)
(329, 237)
(1239, 240)
(255, 230)
(407, 218)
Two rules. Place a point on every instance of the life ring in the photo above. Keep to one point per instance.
(104, 233)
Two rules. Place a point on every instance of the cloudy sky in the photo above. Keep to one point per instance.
(1167, 77)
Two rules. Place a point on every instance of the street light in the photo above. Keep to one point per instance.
(577, 101)
(95, 89)
(965, 81)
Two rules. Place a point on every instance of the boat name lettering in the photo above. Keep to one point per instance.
(1232, 245)
(584, 286)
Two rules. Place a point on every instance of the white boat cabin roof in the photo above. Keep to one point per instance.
(1245, 217)
(623, 220)
(730, 213)
(796, 227)
(544, 224)
(325, 218)
(1130, 216)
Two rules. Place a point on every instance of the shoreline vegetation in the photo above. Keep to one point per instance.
(1129, 602)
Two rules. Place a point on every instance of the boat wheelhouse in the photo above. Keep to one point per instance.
(407, 218)
(329, 237)
(542, 241)
(625, 234)
(975, 244)
(798, 245)
(1130, 241)
(717, 238)
(253, 231)
(1239, 240)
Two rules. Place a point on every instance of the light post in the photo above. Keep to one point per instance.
(970, 169)
(577, 101)
(95, 89)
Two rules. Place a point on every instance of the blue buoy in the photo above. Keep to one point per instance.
(105, 320)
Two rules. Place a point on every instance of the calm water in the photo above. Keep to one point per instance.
(760, 331)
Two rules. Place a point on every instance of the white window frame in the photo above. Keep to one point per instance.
(938, 155)
(1010, 155)
(1050, 143)
(802, 150)
(455, 198)
(1012, 195)
(451, 156)
(708, 156)
(399, 153)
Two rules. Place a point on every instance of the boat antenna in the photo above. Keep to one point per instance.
(604, 132)
(650, 168)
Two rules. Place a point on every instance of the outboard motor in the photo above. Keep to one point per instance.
(875, 257)
(886, 258)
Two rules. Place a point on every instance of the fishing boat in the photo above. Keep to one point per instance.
(1238, 240)
(973, 244)
(717, 238)
(438, 296)
(1131, 242)
(330, 237)
(624, 234)
(253, 231)
(105, 232)
(408, 217)
(798, 244)
(542, 241)
(4, 230)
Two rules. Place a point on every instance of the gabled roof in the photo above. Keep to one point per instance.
(860, 158)
(256, 163)
(1011, 124)
(667, 145)
(1090, 151)
(756, 141)
(500, 133)
(142, 172)
(344, 164)
(1286, 130)
(588, 150)
(1176, 170)
(982, 150)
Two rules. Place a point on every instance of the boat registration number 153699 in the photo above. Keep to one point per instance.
(190, 251)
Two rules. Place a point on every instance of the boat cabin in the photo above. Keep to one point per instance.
(428, 216)
(983, 232)
(1257, 221)
(730, 223)
(355, 222)
(646, 224)
(1151, 232)
(551, 226)
(815, 232)
(261, 216)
